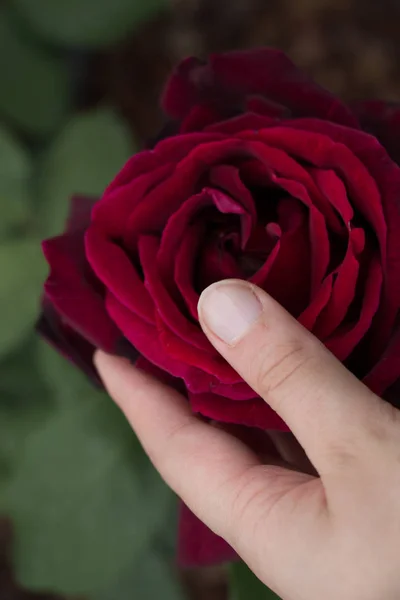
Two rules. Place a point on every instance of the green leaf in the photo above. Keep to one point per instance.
(85, 500)
(15, 172)
(85, 22)
(246, 586)
(66, 383)
(23, 271)
(151, 578)
(24, 404)
(90, 151)
(35, 88)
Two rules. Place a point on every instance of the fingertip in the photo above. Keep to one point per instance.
(228, 310)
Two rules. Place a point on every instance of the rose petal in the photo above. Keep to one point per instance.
(344, 288)
(323, 151)
(209, 363)
(113, 267)
(260, 277)
(166, 198)
(240, 123)
(165, 306)
(271, 73)
(318, 302)
(320, 248)
(181, 93)
(227, 177)
(267, 107)
(67, 341)
(229, 78)
(385, 177)
(179, 221)
(291, 269)
(69, 288)
(177, 147)
(139, 164)
(277, 159)
(80, 212)
(199, 118)
(253, 413)
(335, 191)
(215, 263)
(198, 545)
(184, 266)
(144, 337)
(386, 372)
(112, 212)
(382, 119)
(343, 342)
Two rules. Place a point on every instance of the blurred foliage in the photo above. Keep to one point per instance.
(91, 518)
(246, 586)
(83, 157)
(90, 515)
(15, 173)
(85, 22)
(35, 84)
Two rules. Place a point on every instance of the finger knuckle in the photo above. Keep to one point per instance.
(282, 368)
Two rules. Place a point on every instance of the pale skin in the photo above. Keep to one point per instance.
(326, 532)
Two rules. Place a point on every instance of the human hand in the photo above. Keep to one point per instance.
(330, 535)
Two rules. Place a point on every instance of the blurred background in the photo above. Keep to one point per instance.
(83, 514)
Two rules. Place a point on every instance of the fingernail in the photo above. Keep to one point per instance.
(229, 310)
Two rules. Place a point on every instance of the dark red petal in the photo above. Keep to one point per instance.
(260, 277)
(240, 123)
(165, 306)
(238, 391)
(271, 73)
(200, 117)
(144, 337)
(344, 288)
(215, 264)
(112, 212)
(318, 302)
(175, 229)
(227, 178)
(179, 221)
(253, 413)
(139, 164)
(67, 341)
(290, 275)
(198, 545)
(275, 161)
(166, 198)
(335, 191)
(386, 177)
(209, 364)
(343, 342)
(177, 147)
(181, 92)
(185, 264)
(322, 151)
(382, 119)
(267, 108)
(79, 213)
(319, 241)
(70, 289)
(387, 371)
(151, 369)
(113, 267)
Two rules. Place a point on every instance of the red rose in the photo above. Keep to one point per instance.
(267, 177)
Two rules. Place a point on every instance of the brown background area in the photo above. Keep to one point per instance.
(349, 46)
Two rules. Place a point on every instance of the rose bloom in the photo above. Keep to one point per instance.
(263, 176)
